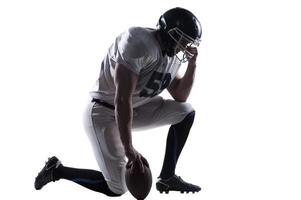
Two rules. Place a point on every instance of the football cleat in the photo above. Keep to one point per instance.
(176, 183)
(46, 174)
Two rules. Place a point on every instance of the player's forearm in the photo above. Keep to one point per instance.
(124, 117)
(185, 84)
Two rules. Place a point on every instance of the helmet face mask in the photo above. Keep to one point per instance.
(182, 43)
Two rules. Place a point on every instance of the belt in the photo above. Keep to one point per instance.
(103, 103)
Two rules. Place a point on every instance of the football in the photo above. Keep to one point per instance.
(138, 183)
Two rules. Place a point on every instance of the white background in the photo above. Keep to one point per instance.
(245, 142)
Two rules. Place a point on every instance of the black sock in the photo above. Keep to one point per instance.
(177, 136)
(91, 179)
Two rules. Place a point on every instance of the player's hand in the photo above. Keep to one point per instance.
(194, 51)
(135, 158)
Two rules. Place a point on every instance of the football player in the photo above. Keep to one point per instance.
(138, 66)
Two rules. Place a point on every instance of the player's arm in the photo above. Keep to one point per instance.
(125, 83)
(180, 87)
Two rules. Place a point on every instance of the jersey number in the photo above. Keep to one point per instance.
(156, 84)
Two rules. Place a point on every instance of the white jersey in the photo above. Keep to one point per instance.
(139, 51)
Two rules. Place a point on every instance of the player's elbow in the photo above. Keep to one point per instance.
(180, 99)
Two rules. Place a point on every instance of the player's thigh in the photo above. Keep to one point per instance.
(104, 137)
(160, 112)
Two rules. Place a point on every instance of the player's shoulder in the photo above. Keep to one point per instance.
(138, 38)
(139, 31)
(141, 35)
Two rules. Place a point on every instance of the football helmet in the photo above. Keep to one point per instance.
(179, 30)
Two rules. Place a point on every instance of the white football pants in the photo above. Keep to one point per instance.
(101, 128)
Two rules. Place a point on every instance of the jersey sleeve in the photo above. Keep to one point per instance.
(131, 50)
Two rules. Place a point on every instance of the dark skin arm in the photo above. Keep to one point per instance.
(180, 87)
(125, 82)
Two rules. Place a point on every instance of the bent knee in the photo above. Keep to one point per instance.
(118, 189)
(185, 108)
(181, 111)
